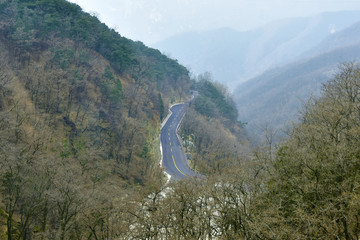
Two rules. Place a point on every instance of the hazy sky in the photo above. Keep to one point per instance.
(153, 20)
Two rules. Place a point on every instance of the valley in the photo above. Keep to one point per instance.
(87, 115)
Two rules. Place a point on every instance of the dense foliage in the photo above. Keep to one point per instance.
(80, 113)
(314, 192)
(214, 100)
(30, 24)
(80, 109)
(212, 136)
(307, 189)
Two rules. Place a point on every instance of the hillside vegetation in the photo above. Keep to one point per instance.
(93, 87)
(212, 135)
(80, 114)
(80, 110)
(314, 190)
(304, 188)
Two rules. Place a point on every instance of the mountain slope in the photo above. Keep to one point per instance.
(347, 37)
(274, 97)
(80, 114)
(74, 67)
(233, 56)
(80, 110)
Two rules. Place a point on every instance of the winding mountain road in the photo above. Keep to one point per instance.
(174, 159)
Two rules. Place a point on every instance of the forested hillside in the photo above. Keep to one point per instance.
(80, 115)
(63, 68)
(307, 187)
(212, 134)
(80, 110)
(313, 192)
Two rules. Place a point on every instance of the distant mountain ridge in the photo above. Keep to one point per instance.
(233, 57)
(274, 97)
(347, 37)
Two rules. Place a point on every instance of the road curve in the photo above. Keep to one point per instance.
(174, 159)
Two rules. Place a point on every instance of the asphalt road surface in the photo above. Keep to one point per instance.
(174, 159)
